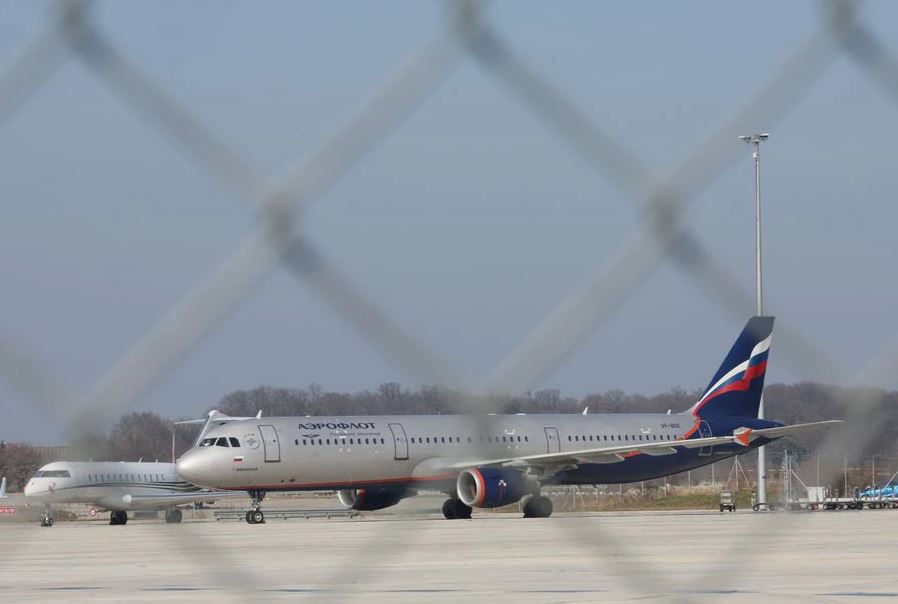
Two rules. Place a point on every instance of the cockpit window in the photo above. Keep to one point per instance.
(234, 441)
(222, 442)
(207, 442)
(53, 474)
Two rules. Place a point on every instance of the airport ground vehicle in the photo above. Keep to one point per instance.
(727, 501)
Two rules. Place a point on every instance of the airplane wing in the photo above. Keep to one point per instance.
(741, 436)
(167, 499)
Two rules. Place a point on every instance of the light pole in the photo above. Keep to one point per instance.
(755, 141)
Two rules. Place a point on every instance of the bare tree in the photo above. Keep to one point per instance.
(18, 462)
(144, 435)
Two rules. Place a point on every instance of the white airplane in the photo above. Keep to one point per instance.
(116, 486)
(120, 486)
(490, 461)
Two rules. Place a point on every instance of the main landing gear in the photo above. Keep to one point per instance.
(455, 509)
(47, 517)
(118, 517)
(173, 516)
(255, 515)
(538, 506)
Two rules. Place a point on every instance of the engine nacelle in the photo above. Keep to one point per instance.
(370, 499)
(492, 487)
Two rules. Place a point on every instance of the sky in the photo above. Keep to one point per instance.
(468, 224)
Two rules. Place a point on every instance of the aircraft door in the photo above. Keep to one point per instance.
(704, 431)
(270, 443)
(553, 443)
(400, 442)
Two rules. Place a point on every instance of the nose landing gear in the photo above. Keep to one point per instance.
(255, 515)
(47, 517)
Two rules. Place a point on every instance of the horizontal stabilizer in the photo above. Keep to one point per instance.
(793, 429)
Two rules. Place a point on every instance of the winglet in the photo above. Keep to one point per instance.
(3, 488)
(742, 436)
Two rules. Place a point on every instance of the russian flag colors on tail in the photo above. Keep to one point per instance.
(735, 390)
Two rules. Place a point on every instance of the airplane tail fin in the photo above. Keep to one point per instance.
(735, 390)
(3, 488)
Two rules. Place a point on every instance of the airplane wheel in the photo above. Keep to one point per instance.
(118, 518)
(449, 509)
(173, 517)
(461, 511)
(538, 506)
(258, 517)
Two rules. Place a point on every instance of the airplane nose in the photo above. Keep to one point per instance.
(190, 466)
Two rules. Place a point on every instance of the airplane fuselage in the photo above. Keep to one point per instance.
(323, 453)
(106, 484)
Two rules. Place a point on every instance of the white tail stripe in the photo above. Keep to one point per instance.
(760, 347)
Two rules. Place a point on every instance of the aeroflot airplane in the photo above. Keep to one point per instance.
(494, 460)
(117, 486)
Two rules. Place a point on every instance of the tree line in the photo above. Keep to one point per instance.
(147, 435)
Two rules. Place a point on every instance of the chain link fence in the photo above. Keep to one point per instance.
(466, 34)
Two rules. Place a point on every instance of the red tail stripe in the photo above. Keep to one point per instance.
(740, 385)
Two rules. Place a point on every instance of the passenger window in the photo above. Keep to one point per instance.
(328, 441)
(234, 441)
(526, 439)
(569, 438)
(350, 442)
(577, 438)
(443, 439)
(303, 441)
(469, 439)
(319, 441)
(428, 440)
(381, 441)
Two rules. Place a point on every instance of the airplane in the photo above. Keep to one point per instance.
(123, 486)
(487, 461)
(117, 486)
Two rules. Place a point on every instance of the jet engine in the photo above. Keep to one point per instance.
(492, 487)
(370, 499)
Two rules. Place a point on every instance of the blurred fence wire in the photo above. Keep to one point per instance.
(465, 35)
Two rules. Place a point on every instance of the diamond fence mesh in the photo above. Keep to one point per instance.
(466, 35)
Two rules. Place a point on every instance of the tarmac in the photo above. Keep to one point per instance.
(584, 557)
